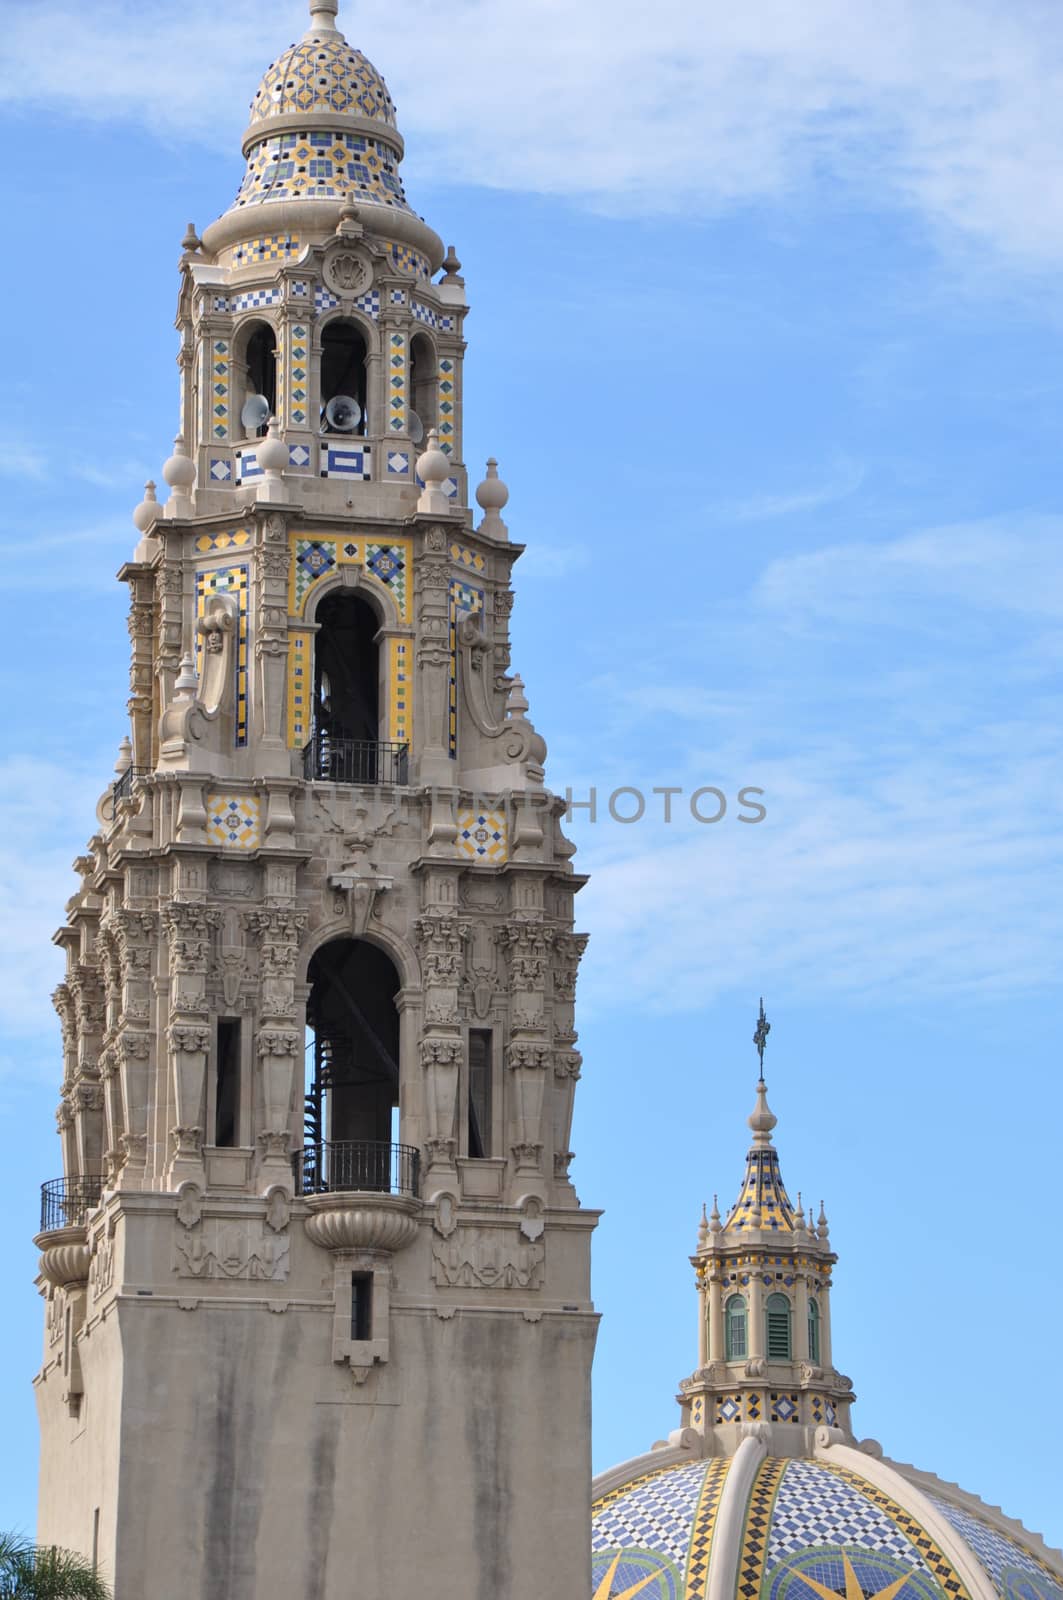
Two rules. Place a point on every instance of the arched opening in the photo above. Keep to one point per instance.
(350, 1123)
(345, 744)
(422, 387)
(813, 1331)
(344, 381)
(260, 379)
(736, 1329)
(777, 1316)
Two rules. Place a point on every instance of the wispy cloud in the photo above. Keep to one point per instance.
(914, 836)
(951, 107)
(46, 811)
(844, 481)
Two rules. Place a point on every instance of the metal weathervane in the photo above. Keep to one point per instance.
(760, 1037)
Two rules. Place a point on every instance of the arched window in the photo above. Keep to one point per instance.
(422, 386)
(343, 378)
(736, 1328)
(777, 1315)
(352, 1091)
(260, 365)
(813, 1331)
(346, 726)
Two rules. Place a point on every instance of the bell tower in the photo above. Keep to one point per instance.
(316, 1279)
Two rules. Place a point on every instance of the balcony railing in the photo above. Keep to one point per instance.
(362, 1166)
(66, 1202)
(122, 788)
(329, 758)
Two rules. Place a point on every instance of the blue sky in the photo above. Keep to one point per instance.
(766, 337)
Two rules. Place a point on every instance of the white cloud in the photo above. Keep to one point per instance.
(914, 837)
(46, 815)
(843, 481)
(953, 107)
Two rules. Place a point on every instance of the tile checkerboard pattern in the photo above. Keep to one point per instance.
(655, 1512)
(1004, 1559)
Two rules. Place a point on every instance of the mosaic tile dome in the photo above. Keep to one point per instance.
(806, 1530)
(322, 74)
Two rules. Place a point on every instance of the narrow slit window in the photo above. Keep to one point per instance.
(480, 1053)
(813, 1332)
(361, 1307)
(227, 1093)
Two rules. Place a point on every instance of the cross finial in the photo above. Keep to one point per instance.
(760, 1037)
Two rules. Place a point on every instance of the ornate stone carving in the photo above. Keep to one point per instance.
(188, 931)
(188, 1038)
(487, 1260)
(221, 1247)
(276, 1042)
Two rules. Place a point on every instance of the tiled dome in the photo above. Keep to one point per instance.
(807, 1530)
(322, 75)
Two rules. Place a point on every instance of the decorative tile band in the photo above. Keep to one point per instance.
(411, 261)
(704, 1527)
(341, 461)
(398, 464)
(300, 689)
(299, 376)
(400, 698)
(446, 408)
(483, 836)
(221, 470)
(299, 456)
(270, 247)
(755, 1533)
(229, 539)
(234, 821)
(466, 557)
(397, 382)
(465, 601)
(235, 581)
(651, 1514)
(315, 557)
(219, 388)
(321, 165)
(255, 298)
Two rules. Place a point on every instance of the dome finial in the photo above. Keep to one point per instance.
(323, 14)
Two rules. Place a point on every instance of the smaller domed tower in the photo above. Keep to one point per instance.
(764, 1276)
(764, 1493)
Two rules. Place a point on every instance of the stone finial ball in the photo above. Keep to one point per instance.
(272, 452)
(492, 494)
(147, 511)
(179, 470)
(433, 466)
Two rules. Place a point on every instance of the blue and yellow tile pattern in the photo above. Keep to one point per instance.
(322, 73)
(763, 1203)
(1014, 1572)
(321, 164)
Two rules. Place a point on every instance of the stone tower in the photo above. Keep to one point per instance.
(318, 1313)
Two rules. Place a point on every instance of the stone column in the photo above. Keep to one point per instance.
(801, 1351)
(279, 1045)
(717, 1352)
(755, 1292)
(568, 949)
(188, 1036)
(441, 937)
(432, 687)
(270, 618)
(826, 1355)
(135, 933)
(141, 661)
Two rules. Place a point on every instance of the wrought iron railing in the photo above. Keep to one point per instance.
(122, 788)
(66, 1202)
(332, 759)
(362, 1166)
